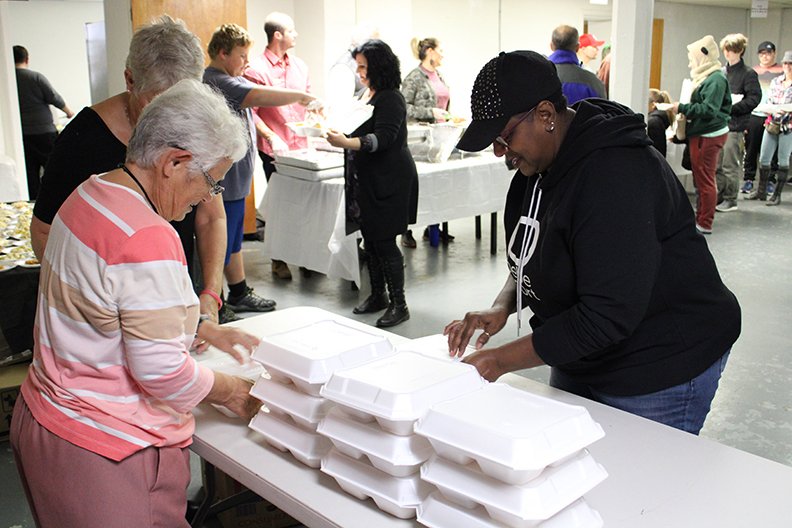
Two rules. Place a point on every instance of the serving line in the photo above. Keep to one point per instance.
(658, 476)
(306, 219)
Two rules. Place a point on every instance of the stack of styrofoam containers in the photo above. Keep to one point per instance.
(376, 453)
(299, 362)
(509, 458)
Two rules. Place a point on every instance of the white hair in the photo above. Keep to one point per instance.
(163, 53)
(191, 116)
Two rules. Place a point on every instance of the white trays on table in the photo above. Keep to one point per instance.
(285, 435)
(308, 174)
(398, 390)
(398, 496)
(308, 356)
(286, 399)
(512, 434)
(516, 506)
(438, 512)
(310, 159)
(396, 455)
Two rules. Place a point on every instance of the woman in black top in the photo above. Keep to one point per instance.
(382, 182)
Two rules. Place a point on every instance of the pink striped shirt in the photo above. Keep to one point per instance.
(116, 316)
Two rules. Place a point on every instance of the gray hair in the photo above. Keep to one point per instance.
(163, 53)
(191, 116)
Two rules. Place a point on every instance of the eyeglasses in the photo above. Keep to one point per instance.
(214, 187)
(505, 137)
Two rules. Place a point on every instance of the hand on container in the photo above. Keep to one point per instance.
(277, 144)
(337, 139)
(460, 332)
(440, 115)
(487, 363)
(228, 339)
(233, 393)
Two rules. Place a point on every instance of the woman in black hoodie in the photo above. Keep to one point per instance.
(658, 120)
(628, 306)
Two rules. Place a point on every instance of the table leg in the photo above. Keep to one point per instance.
(444, 236)
(493, 233)
(209, 493)
(478, 227)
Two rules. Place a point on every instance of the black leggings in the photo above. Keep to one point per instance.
(383, 249)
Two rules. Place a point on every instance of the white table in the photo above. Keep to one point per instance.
(659, 477)
(306, 219)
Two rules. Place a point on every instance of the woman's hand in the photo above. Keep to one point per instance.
(338, 139)
(228, 339)
(233, 393)
(439, 115)
(460, 332)
(487, 363)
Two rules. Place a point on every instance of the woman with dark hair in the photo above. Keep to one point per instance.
(627, 304)
(382, 183)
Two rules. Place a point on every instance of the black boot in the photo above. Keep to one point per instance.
(377, 300)
(397, 311)
(781, 179)
(761, 189)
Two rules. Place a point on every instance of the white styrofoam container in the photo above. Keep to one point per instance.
(282, 434)
(396, 455)
(307, 356)
(228, 365)
(308, 174)
(287, 399)
(438, 512)
(435, 345)
(398, 496)
(310, 159)
(516, 506)
(398, 390)
(512, 434)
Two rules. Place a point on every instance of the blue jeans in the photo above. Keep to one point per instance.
(684, 406)
(770, 142)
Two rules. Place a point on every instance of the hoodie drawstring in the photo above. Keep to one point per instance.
(527, 242)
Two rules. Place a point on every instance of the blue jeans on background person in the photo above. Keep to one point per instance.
(783, 142)
(684, 406)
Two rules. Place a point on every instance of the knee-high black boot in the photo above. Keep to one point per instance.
(761, 190)
(397, 311)
(781, 179)
(377, 300)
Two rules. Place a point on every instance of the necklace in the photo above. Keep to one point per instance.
(145, 194)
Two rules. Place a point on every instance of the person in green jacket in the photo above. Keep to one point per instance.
(707, 125)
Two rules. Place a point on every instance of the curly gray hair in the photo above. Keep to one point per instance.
(163, 53)
(191, 116)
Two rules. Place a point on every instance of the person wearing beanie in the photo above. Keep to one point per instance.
(627, 305)
(743, 82)
(707, 115)
(777, 135)
(767, 70)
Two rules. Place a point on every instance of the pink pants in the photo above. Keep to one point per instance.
(704, 152)
(68, 486)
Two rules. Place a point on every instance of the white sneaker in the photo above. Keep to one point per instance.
(703, 230)
(726, 205)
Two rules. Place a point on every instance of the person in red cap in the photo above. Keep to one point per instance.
(588, 50)
(627, 306)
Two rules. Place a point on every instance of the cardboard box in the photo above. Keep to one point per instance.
(10, 379)
(258, 514)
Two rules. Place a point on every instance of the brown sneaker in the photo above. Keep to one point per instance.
(281, 270)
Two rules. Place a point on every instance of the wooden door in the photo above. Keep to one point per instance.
(656, 68)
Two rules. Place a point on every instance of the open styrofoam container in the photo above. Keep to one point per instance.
(438, 512)
(512, 434)
(516, 506)
(285, 435)
(398, 390)
(396, 455)
(398, 496)
(286, 399)
(307, 356)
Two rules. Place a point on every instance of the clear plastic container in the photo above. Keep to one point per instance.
(396, 455)
(438, 512)
(307, 356)
(398, 496)
(285, 435)
(288, 400)
(512, 434)
(400, 389)
(516, 506)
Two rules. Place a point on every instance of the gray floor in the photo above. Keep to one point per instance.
(753, 408)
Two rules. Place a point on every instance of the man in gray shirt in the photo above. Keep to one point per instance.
(38, 130)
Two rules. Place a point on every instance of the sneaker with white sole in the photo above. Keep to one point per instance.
(726, 205)
(703, 230)
(250, 302)
(747, 186)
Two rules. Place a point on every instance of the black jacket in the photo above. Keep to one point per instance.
(625, 293)
(656, 125)
(743, 80)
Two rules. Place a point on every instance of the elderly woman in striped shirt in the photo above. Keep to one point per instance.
(101, 427)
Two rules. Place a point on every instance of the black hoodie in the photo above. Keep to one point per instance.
(625, 294)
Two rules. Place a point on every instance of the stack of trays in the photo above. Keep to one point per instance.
(376, 453)
(509, 458)
(299, 362)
